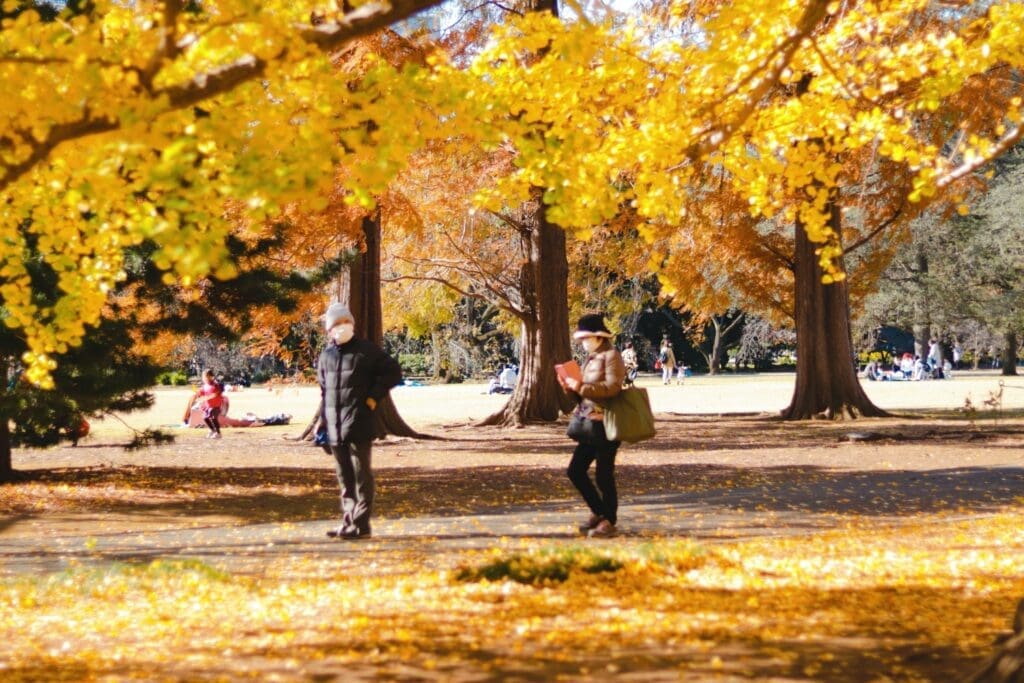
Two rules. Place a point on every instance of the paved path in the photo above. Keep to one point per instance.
(791, 507)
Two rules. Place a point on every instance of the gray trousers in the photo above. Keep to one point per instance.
(352, 463)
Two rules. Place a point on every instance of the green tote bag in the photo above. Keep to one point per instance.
(628, 416)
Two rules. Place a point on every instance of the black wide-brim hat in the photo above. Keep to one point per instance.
(591, 325)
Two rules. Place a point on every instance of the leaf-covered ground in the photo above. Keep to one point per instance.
(752, 549)
(921, 602)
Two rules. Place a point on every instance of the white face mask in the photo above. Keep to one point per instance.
(590, 344)
(342, 332)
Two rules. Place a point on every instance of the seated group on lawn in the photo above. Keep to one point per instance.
(909, 367)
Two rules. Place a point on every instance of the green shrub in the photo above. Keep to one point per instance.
(261, 376)
(883, 357)
(548, 566)
(174, 378)
(415, 363)
(540, 568)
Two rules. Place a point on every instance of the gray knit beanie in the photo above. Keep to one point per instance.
(335, 314)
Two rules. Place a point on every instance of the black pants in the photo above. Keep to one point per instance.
(210, 419)
(602, 500)
(352, 465)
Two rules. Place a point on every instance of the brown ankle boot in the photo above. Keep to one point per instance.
(604, 529)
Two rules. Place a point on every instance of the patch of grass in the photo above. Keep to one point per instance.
(679, 557)
(176, 566)
(549, 566)
(544, 567)
(84, 579)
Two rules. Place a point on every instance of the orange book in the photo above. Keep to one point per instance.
(569, 369)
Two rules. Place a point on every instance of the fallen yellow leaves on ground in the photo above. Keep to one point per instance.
(913, 602)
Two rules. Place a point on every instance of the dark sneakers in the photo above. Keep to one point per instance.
(355, 535)
(347, 534)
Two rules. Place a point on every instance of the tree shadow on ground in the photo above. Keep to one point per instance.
(256, 495)
(678, 432)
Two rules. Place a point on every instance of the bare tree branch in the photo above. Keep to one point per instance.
(1008, 141)
(785, 259)
(521, 228)
(878, 229)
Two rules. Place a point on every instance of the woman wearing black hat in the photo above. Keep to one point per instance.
(603, 372)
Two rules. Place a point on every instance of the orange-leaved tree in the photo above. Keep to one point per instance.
(835, 121)
(127, 122)
(456, 232)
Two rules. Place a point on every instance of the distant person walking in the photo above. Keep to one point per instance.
(668, 361)
(211, 394)
(602, 375)
(630, 361)
(935, 358)
(354, 375)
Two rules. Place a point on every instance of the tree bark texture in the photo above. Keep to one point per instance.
(544, 286)
(826, 377)
(922, 324)
(6, 462)
(365, 304)
(1009, 354)
(714, 356)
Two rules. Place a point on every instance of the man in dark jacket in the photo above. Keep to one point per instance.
(354, 375)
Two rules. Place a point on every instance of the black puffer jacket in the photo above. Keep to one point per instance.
(349, 374)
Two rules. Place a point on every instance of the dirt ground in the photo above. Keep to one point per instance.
(711, 429)
(869, 550)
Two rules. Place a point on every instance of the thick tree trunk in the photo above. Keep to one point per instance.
(544, 285)
(826, 378)
(6, 463)
(309, 433)
(1009, 354)
(365, 304)
(922, 324)
(714, 357)
(922, 332)
(435, 354)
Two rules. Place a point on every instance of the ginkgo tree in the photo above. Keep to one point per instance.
(488, 255)
(792, 104)
(161, 111)
(137, 121)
